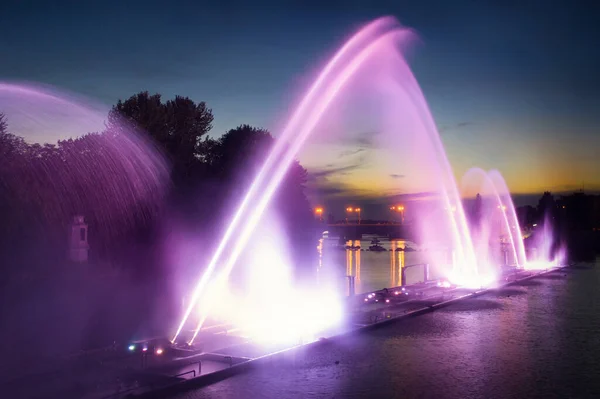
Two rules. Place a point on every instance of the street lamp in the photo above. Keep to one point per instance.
(350, 210)
(319, 213)
(400, 209)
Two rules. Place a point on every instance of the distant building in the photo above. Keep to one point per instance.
(78, 240)
(526, 216)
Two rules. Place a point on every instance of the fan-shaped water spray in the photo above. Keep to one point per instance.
(487, 234)
(545, 250)
(113, 177)
(511, 216)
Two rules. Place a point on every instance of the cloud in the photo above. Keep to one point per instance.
(396, 176)
(321, 185)
(365, 139)
(332, 190)
(455, 127)
(348, 153)
(325, 173)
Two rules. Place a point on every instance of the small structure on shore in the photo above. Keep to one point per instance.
(78, 240)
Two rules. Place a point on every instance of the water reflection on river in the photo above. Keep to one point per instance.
(535, 340)
(372, 270)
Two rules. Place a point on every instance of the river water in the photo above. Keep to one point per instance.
(537, 340)
(372, 270)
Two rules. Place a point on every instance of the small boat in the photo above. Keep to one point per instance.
(376, 247)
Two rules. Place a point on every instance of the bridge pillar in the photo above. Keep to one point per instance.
(351, 286)
(402, 276)
(426, 272)
(78, 240)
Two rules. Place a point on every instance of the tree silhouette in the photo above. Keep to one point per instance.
(3, 124)
(237, 156)
(176, 126)
(546, 208)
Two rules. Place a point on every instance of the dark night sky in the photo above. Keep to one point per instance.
(524, 70)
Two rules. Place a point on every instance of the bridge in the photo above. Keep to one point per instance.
(356, 231)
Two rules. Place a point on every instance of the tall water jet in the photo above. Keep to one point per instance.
(320, 95)
(431, 164)
(545, 250)
(357, 42)
(492, 223)
(301, 134)
(511, 215)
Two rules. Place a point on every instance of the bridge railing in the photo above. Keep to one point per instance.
(425, 267)
(426, 277)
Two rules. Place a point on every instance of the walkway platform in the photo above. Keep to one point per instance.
(381, 308)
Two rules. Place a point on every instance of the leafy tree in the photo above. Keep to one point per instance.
(239, 154)
(176, 126)
(237, 157)
(3, 124)
(546, 207)
(475, 214)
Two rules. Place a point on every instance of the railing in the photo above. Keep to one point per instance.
(425, 272)
(187, 372)
(352, 282)
(120, 392)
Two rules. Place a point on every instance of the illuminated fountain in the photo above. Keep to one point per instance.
(371, 57)
(495, 221)
(510, 217)
(496, 225)
(546, 251)
(374, 37)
